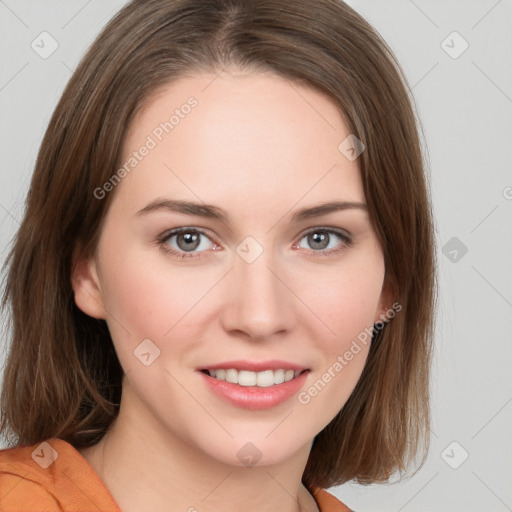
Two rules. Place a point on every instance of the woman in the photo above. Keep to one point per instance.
(222, 290)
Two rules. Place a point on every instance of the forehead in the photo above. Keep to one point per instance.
(228, 136)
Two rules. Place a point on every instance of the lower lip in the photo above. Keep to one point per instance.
(254, 397)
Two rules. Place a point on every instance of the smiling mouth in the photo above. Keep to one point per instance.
(248, 378)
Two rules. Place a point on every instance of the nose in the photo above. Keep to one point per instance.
(257, 300)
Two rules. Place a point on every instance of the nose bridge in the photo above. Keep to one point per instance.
(259, 303)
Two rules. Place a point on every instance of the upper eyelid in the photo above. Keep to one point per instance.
(336, 231)
(176, 231)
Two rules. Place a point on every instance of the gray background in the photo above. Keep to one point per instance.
(465, 105)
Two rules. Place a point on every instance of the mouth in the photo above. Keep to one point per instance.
(247, 378)
(255, 385)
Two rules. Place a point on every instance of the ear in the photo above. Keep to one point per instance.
(86, 285)
(386, 300)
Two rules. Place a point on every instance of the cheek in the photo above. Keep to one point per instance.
(347, 304)
(346, 299)
(147, 296)
(354, 307)
(350, 315)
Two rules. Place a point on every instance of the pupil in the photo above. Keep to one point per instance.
(191, 241)
(318, 240)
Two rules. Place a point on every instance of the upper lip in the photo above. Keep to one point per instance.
(255, 366)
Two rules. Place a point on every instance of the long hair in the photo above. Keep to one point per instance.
(62, 376)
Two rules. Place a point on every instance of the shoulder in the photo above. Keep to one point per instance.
(23, 482)
(327, 502)
(19, 493)
(50, 476)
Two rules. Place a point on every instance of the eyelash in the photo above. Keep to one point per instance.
(166, 236)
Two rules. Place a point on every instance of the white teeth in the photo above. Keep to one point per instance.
(261, 379)
(278, 376)
(231, 376)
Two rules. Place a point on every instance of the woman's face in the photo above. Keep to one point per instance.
(261, 284)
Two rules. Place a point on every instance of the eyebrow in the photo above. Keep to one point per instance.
(214, 212)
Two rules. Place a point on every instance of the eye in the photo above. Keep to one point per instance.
(324, 241)
(186, 242)
(194, 243)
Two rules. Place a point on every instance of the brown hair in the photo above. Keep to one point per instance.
(62, 377)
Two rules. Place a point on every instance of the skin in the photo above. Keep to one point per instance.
(260, 149)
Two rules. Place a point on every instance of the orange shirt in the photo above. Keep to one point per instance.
(52, 476)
